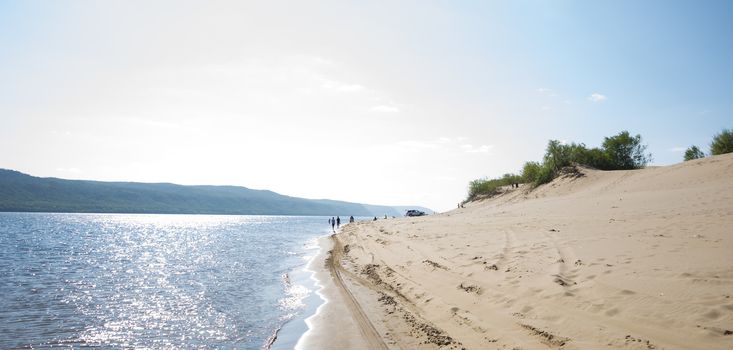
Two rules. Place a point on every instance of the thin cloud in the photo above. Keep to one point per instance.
(547, 92)
(384, 109)
(445, 139)
(596, 97)
(480, 149)
(449, 144)
(415, 145)
(342, 87)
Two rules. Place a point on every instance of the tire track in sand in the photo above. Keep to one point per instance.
(370, 333)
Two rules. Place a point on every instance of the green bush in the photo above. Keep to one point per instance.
(618, 152)
(626, 152)
(557, 155)
(530, 172)
(545, 175)
(489, 187)
(693, 153)
(597, 158)
(722, 143)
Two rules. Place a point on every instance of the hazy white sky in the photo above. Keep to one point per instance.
(377, 102)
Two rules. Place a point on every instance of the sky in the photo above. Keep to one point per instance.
(380, 102)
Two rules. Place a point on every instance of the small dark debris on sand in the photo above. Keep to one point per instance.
(570, 172)
(386, 299)
(562, 281)
(649, 345)
(470, 288)
(370, 270)
(717, 330)
(434, 264)
(434, 335)
(550, 339)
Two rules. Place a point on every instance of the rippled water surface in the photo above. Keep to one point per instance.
(149, 281)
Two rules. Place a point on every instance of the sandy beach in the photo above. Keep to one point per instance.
(639, 259)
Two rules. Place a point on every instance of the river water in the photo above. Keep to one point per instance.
(154, 281)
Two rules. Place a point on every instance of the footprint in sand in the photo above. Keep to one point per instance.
(712, 314)
(612, 312)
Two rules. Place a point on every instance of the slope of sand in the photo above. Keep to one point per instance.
(637, 259)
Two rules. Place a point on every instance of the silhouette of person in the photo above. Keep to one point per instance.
(338, 221)
(351, 218)
(333, 223)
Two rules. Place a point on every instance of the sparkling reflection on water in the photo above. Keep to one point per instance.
(148, 281)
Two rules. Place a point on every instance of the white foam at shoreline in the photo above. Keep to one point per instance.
(300, 284)
(310, 321)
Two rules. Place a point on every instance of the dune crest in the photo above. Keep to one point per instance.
(639, 259)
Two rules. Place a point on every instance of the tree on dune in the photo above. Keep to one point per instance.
(722, 143)
(693, 152)
(626, 152)
(618, 152)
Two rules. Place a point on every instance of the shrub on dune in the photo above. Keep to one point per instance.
(693, 153)
(626, 152)
(531, 171)
(489, 187)
(618, 152)
(722, 143)
(545, 175)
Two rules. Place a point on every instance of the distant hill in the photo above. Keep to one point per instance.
(24, 193)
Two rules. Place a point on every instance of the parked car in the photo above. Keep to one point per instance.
(413, 212)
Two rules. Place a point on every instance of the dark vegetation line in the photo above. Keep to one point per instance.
(619, 152)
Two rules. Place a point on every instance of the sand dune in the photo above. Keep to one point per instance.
(637, 259)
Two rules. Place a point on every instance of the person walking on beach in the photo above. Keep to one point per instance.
(333, 223)
(351, 218)
(338, 221)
